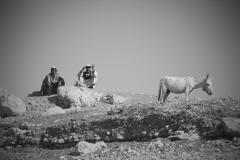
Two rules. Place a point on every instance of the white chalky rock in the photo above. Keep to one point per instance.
(86, 147)
(10, 105)
(113, 99)
(53, 111)
(75, 97)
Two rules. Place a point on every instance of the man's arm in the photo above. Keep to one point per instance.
(80, 75)
(48, 79)
(61, 82)
(95, 77)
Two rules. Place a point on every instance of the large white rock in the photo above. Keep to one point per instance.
(53, 111)
(231, 126)
(75, 97)
(156, 143)
(86, 147)
(113, 99)
(10, 105)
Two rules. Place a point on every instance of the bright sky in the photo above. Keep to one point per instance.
(133, 43)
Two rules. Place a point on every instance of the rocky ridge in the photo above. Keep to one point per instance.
(124, 118)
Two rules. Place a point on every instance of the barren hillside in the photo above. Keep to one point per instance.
(135, 128)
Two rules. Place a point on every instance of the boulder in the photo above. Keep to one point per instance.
(156, 144)
(84, 147)
(10, 105)
(214, 131)
(54, 110)
(113, 99)
(75, 97)
(231, 126)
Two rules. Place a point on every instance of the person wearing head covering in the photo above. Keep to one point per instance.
(51, 82)
(87, 76)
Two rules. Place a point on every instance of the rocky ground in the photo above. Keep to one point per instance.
(135, 128)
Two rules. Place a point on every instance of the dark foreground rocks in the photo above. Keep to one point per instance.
(231, 126)
(136, 122)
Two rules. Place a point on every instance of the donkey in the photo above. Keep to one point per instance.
(183, 85)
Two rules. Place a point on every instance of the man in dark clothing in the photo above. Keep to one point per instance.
(51, 82)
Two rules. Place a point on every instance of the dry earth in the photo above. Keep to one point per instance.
(139, 128)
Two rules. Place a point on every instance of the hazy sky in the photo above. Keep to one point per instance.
(133, 43)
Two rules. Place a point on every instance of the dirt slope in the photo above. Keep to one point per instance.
(128, 129)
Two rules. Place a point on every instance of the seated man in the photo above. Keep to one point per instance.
(51, 82)
(87, 76)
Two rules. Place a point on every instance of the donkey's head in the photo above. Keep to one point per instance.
(207, 85)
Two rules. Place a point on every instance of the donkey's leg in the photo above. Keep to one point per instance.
(162, 97)
(159, 92)
(164, 91)
(166, 95)
(187, 95)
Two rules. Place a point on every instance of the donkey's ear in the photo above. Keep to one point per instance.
(207, 76)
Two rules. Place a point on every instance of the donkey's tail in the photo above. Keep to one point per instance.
(159, 91)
